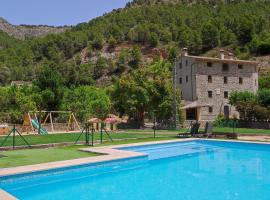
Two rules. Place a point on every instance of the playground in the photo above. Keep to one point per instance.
(56, 122)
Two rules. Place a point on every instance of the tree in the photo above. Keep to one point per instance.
(5, 75)
(112, 42)
(264, 82)
(154, 40)
(184, 36)
(100, 67)
(86, 102)
(145, 90)
(227, 37)
(244, 97)
(245, 30)
(122, 61)
(245, 103)
(136, 56)
(264, 97)
(210, 36)
(98, 42)
(50, 79)
(172, 55)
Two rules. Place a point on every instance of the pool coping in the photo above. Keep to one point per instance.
(109, 153)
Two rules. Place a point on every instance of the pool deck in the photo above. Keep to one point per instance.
(108, 153)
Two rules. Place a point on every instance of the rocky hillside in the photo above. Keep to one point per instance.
(101, 50)
(26, 31)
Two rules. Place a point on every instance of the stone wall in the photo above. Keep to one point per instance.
(185, 69)
(248, 74)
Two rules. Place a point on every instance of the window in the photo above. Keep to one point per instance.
(240, 66)
(186, 79)
(210, 94)
(180, 80)
(226, 94)
(180, 65)
(209, 79)
(210, 109)
(225, 67)
(225, 79)
(186, 62)
(209, 64)
(240, 80)
(255, 82)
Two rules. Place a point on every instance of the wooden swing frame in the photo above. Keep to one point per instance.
(27, 120)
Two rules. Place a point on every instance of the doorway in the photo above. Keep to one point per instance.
(226, 112)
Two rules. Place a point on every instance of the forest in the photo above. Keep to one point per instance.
(65, 66)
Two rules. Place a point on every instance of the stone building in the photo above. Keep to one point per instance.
(206, 84)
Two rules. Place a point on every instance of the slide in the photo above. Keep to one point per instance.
(35, 123)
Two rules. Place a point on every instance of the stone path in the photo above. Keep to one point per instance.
(262, 138)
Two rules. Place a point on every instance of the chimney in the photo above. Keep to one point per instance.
(221, 54)
(231, 56)
(184, 51)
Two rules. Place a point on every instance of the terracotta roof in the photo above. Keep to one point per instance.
(200, 58)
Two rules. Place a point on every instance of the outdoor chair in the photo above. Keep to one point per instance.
(208, 131)
(193, 131)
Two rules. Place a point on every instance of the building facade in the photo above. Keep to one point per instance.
(206, 84)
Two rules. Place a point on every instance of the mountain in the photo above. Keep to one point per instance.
(152, 2)
(97, 52)
(185, 2)
(28, 31)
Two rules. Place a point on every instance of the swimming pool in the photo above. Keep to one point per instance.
(195, 170)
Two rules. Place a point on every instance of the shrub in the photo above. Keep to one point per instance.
(222, 122)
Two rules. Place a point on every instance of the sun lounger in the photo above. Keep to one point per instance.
(193, 131)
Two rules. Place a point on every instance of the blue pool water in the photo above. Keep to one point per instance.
(197, 170)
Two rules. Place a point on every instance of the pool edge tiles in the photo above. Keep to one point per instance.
(6, 196)
(108, 153)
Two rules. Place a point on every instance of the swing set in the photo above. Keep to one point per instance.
(44, 122)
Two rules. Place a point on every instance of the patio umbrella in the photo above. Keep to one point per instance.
(94, 120)
(111, 120)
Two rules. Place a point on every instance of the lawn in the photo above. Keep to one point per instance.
(242, 130)
(121, 135)
(71, 137)
(36, 156)
(216, 129)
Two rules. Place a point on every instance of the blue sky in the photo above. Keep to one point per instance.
(56, 12)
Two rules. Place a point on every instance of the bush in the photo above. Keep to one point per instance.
(222, 122)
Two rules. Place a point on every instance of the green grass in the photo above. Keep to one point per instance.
(129, 134)
(216, 129)
(129, 141)
(242, 130)
(36, 156)
(71, 137)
